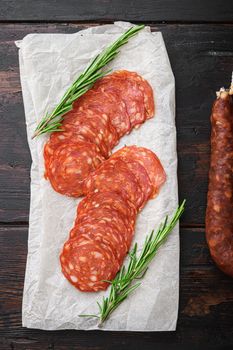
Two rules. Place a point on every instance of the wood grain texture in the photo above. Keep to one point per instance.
(201, 57)
(108, 10)
(205, 316)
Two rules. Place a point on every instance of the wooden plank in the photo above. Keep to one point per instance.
(205, 315)
(202, 60)
(108, 10)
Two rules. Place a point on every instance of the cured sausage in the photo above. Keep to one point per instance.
(219, 213)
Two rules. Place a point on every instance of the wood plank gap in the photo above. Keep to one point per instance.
(191, 225)
(14, 224)
(111, 20)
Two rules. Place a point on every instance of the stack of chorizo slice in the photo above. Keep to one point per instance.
(110, 109)
(105, 221)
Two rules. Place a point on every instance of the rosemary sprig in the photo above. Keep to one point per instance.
(124, 283)
(52, 122)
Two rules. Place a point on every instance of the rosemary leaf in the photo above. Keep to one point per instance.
(84, 82)
(124, 283)
(89, 316)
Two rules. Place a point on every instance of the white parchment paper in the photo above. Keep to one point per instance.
(49, 63)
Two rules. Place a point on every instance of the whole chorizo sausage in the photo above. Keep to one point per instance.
(219, 213)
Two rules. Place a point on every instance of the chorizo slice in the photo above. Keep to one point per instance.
(70, 164)
(126, 232)
(107, 216)
(102, 231)
(109, 200)
(56, 139)
(114, 176)
(141, 175)
(87, 263)
(145, 88)
(128, 91)
(148, 160)
(219, 213)
(94, 128)
(109, 104)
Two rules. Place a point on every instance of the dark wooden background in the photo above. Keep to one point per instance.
(199, 39)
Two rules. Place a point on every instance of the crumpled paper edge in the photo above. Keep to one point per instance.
(35, 210)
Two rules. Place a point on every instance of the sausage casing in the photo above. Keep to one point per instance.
(219, 213)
